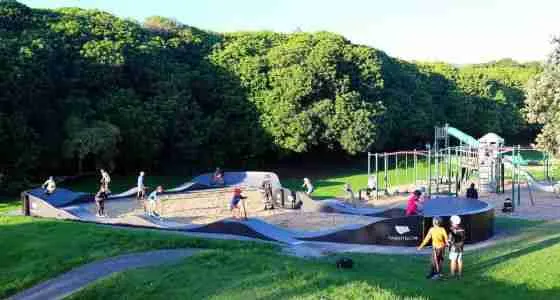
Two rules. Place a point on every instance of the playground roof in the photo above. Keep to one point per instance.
(491, 138)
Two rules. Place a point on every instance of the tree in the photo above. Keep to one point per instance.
(542, 103)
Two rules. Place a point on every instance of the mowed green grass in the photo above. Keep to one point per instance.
(8, 205)
(526, 267)
(33, 249)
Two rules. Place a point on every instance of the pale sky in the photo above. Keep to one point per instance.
(455, 31)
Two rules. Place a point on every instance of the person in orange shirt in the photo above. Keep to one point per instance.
(438, 235)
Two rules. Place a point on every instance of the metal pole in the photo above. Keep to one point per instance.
(385, 178)
(376, 177)
(513, 166)
(518, 176)
(429, 172)
(415, 168)
(406, 167)
(368, 164)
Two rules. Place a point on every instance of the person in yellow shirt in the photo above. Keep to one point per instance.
(438, 235)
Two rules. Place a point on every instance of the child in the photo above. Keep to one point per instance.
(234, 205)
(100, 198)
(371, 185)
(307, 184)
(439, 240)
(153, 200)
(268, 196)
(49, 186)
(456, 243)
(412, 203)
(105, 180)
(349, 192)
(218, 177)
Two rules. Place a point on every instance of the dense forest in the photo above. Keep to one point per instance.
(80, 89)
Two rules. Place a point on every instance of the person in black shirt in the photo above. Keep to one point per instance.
(268, 196)
(456, 242)
(472, 193)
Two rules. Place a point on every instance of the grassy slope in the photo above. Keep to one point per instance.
(37, 249)
(526, 268)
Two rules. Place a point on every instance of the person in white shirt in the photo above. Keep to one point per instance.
(153, 200)
(49, 186)
(307, 184)
(105, 180)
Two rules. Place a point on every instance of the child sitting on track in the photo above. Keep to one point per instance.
(234, 205)
(439, 240)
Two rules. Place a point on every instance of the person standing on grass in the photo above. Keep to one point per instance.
(153, 200)
(100, 198)
(412, 203)
(472, 193)
(456, 243)
(438, 235)
(234, 205)
(308, 185)
(49, 186)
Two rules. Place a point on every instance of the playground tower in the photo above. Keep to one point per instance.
(489, 169)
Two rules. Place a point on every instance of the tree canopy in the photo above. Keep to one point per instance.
(83, 88)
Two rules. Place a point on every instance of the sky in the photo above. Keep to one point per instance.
(454, 31)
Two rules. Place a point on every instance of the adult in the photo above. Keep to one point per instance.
(472, 193)
(235, 201)
(153, 201)
(412, 203)
(456, 243)
(105, 180)
(439, 240)
(49, 186)
(141, 189)
(100, 198)
(218, 177)
(267, 192)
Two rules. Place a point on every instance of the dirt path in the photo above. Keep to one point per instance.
(78, 278)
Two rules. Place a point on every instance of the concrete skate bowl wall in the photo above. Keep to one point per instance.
(477, 217)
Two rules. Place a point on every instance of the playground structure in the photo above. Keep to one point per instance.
(447, 169)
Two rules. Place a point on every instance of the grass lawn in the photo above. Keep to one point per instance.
(527, 267)
(9, 205)
(37, 249)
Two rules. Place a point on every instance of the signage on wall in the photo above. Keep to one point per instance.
(403, 232)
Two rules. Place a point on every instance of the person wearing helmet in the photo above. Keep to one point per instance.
(412, 203)
(439, 240)
(456, 243)
(234, 205)
(307, 184)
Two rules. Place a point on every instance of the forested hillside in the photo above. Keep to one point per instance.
(81, 89)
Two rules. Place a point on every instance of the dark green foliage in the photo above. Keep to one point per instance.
(81, 89)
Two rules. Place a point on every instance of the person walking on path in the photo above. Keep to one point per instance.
(153, 201)
(472, 193)
(456, 242)
(100, 198)
(49, 186)
(439, 240)
(308, 185)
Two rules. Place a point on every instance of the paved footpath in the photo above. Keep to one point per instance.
(78, 278)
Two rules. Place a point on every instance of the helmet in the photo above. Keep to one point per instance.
(455, 220)
(436, 221)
